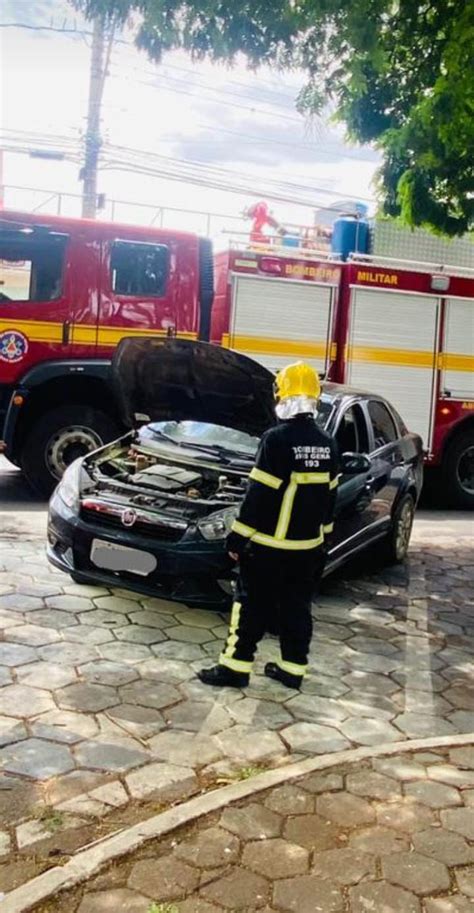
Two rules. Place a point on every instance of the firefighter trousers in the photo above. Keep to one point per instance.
(274, 594)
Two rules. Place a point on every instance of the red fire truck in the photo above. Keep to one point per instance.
(69, 291)
(400, 328)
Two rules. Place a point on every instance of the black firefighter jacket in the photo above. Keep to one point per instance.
(289, 504)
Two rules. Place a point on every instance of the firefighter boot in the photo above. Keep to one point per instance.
(286, 678)
(222, 677)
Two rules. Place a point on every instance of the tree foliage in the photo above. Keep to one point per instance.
(397, 73)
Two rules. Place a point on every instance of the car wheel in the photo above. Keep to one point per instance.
(398, 540)
(58, 438)
(458, 470)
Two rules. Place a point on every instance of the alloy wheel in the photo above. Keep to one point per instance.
(403, 528)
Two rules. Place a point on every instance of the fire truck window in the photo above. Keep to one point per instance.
(31, 266)
(382, 422)
(139, 269)
(351, 435)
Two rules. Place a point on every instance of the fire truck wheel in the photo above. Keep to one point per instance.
(458, 470)
(58, 438)
(395, 547)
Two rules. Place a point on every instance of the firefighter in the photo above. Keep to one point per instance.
(279, 536)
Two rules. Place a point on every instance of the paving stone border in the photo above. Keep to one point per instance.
(89, 861)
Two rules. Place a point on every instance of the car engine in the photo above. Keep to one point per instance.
(186, 487)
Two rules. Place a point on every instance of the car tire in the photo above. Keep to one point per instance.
(59, 437)
(395, 547)
(458, 471)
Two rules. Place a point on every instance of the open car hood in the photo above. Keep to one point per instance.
(162, 379)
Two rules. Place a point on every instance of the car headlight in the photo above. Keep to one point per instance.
(217, 526)
(68, 489)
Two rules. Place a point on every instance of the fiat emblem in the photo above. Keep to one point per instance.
(129, 516)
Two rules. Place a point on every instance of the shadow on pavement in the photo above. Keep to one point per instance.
(15, 493)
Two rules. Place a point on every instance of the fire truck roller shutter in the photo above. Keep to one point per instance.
(279, 320)
(457, 378)
(392, 350)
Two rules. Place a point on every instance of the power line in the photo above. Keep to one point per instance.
(283, 192)
(176, 172)
(145, 162)
(262, 83)
(230, 104)
(254, 110)
(158, 74)
(224, 172)
(130, 44)
(277, 142)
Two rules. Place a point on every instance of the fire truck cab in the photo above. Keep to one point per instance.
(69, 291)
(403, 329)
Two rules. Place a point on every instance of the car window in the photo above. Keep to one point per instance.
(351, 434)
(139, 269)
(384, 427)
(325, 410)
(401, 427)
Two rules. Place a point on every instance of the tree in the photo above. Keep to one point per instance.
(397, 73)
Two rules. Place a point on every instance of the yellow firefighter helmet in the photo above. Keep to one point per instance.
(298, 379)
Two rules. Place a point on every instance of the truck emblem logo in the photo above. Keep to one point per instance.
(129, 516)
(13, 346)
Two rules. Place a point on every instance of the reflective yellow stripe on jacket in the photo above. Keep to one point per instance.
(258, 475)
(294, 545)
(242, 529)
(280, 540)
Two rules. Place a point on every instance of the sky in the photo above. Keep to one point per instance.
(243, 122)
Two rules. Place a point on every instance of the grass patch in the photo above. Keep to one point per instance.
(242, 773)
(245, 773)
(50, 818)
(162, 908)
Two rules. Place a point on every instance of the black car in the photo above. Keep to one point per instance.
(152, 510)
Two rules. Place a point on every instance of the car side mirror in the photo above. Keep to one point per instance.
(354, 463)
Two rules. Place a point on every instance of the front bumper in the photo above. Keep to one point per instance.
(188, 571)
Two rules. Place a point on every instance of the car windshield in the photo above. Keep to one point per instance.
(203, 435)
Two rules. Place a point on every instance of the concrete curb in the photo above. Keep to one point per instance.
(87, 862)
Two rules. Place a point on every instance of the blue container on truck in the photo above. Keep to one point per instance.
(350, 234)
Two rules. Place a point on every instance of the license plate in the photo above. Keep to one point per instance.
(112, 557)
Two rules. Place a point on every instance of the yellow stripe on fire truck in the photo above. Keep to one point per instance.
(81, 333)
(260, 345)
(410, 358)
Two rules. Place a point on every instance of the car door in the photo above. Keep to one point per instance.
(354, 512)
(385, 456)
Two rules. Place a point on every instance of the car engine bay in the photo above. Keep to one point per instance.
(159, 478)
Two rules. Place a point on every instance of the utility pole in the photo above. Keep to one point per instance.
(100, 59)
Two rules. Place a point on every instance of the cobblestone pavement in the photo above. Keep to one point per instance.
(99, 704)
(395, 835)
